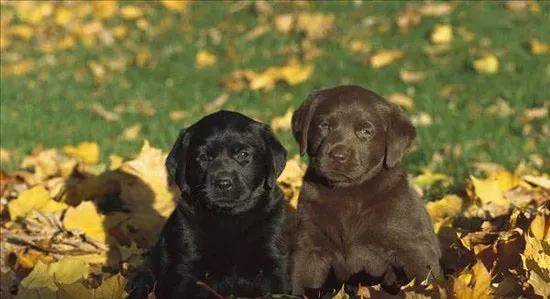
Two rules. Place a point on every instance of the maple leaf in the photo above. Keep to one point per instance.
(37, 198)
(86, 217)
(486, 65)
(87, 151)
(282, 122)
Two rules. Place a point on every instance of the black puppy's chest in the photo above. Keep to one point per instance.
(226, 252)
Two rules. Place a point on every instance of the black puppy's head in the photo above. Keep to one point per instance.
(225, 160)
(351, 133)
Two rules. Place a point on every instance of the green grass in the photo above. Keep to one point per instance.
(50, 106)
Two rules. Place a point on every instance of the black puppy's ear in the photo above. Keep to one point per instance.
(399, 136)
(302, 118)
(277, 154)
(177, 160)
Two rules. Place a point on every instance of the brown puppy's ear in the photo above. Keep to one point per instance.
(302, 118)
(399, 136)
(276, 155)
(177, 160)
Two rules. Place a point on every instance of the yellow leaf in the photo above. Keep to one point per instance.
(34, 13)
(540, 227)
(175, 5)
(296, 73)
(23, 31)
(290, 179)
(282, 122)
(204, 58)
(120, 31)
(474, 283)
(490, 191)
(63, 15)
(116, 162)
(18, 68)
(143, 57)
(39, 278)
(402, 100)
(284, 23)
(442, 34)
(105, 9)
(147, 187)
(411, 76)
(87, 151)
(315, 25)
(131, 12)
(66, 42)
(112, 288)
(448, 206)
(540, 285)
(36, 198)
(384, 57)
(538, 47)
(68, 270)
(486, 65)
(86, 218)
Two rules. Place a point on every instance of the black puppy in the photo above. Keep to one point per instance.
(228, 228)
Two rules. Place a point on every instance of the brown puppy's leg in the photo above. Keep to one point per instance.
(310, 270)
(421, 261)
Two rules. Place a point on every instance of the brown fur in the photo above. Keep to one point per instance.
(357, 214)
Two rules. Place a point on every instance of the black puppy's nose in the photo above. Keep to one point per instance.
(338, 154)
(223, 184)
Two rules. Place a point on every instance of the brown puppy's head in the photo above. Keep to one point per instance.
(351, 133)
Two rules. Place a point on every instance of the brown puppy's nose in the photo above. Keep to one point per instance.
(338, 154)
(223, 184)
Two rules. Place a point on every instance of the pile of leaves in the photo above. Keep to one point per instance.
(76, 228)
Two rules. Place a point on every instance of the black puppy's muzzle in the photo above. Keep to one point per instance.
(223, 182)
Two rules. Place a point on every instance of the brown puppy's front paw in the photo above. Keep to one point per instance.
(312, 293)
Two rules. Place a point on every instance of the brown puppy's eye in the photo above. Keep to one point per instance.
(364, 132)
(324, 126)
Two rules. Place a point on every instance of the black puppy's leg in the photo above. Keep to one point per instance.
(310, 271)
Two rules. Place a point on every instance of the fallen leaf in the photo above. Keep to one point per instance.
(538, 47)
(402, 100)
(18, 68)
(422, 119)
(315, 25)
(412, 76)
(474, 283)
(281, 123)
(153, 191)
(204, 58)
(143, 57)
(384, 57)
(68, 270)
(284, 23)
(22, 31)
(132, 132)
(105, 9)
(517, 5)
(217, 103)
(448, 206)
(131, 12)
(486, 65)
(442, 34)
(540, 181)
(175, 5)
(436, 9)
(85, 217)
(177, 115)
(87, 151)
(37, 198)
(112, 288)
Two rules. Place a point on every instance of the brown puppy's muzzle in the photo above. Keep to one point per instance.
(338, 156)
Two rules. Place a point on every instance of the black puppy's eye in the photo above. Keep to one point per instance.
(324, 126)
(243, 155)
(203, 157)
(364, 132)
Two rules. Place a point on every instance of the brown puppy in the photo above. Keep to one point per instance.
(358, 219)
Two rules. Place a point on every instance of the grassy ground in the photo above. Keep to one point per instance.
(51, 104)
